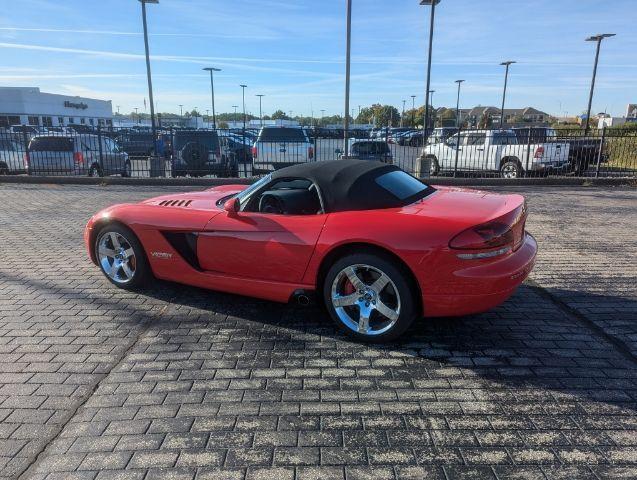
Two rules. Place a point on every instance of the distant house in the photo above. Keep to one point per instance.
(512, 116)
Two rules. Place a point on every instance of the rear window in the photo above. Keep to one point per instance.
(208, 139)
(291, 135)
(369, 148)
(401, 185)
(51, 144)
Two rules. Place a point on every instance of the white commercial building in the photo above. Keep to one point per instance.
(30, 106)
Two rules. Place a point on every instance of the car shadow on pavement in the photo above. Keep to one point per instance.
(529, 345)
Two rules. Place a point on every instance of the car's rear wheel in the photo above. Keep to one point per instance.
(121, 257)
(95, 171)
(369, 297)
(511, 169)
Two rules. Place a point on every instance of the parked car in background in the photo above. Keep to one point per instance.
(136, 144)
(29, 130)
(496, 151)
(441, 134)
(76, 155)
(11, 157)
(279, 147)
(199, 152)
(373, 150)
(582, 154)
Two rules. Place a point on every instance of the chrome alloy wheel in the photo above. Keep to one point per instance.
(365, 299)
(510, 171)
(117, 257)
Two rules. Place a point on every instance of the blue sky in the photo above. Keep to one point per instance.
(293, 52)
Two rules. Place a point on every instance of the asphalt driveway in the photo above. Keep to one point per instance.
(177, 382)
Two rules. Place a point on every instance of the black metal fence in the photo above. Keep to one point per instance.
(238, 153)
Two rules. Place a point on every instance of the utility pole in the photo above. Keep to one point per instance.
(598, 39)
(504, 92)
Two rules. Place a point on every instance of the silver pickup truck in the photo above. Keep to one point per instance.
(496, 151)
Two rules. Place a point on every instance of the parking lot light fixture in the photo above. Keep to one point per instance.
(403, 114)
(431, 105)
(348, 50)
(506, 64)
(243, 94)
(413, 110)
(260, 109)
(432, 4)
(598, 39)
(212, 89)
(459, 82)
(154, 166)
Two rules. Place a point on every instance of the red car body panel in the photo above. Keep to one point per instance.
(272, 256)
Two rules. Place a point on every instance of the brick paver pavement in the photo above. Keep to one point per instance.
(177, 382)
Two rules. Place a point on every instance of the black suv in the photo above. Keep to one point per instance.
(198, 153)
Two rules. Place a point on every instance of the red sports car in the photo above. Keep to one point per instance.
(378, 246)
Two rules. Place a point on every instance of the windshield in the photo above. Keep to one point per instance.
(295, 135)
(245, 194)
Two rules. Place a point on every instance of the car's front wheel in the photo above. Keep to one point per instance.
(369, 297)
(121, 257)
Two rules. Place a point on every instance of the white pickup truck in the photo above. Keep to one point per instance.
(496, 151)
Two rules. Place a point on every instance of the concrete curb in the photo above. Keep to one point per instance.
(210, 182)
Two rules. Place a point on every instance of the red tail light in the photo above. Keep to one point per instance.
(310, 152)
(78, 158)
(254, 152)
(539, 152)
(505, 231)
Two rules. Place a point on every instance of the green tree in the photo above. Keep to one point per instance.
(380, 115)
(279, 115)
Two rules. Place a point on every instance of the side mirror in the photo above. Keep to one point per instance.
(231, 206)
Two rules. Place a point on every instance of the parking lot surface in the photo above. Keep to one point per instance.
(177, 382)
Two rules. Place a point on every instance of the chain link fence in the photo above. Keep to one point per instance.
(514, 153)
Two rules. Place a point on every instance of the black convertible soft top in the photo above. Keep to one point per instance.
(350, 184)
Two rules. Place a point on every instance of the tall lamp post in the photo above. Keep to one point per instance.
(154, 160)
(598, 39)
(431, 105)
(322, 117)
(459, 82)
(243, 94)
(137, 114)
(402, 116)
(506, 64)
(212, 89)
(260, 110)
(347, 75)
(413, 110)
(433, 4)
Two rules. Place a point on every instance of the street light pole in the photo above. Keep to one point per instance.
(598, 39)
(137, 115)
(402, 117)
(243, 94)
(347, 75)
(459, 82)
(504, 92)
(181, 110)
(431, 106)
(413, 110)
(322, 116)
(154, 161)
(212, 89)
(433, 4)
(260, 110)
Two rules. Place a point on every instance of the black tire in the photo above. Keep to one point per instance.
(126, 172)
(95, 171)
(511, 168)
(4, 170)
(400, 282)
(142, 272)
(435, 166)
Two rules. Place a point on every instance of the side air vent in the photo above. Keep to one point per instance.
(175, 203)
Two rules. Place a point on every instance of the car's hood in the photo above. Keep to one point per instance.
(464, 206)
(205, 200)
